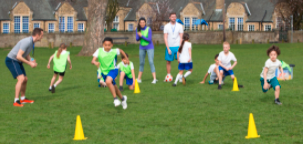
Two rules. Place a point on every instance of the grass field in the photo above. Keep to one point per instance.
(161, 113)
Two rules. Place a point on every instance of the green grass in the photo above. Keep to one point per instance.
(193, 113)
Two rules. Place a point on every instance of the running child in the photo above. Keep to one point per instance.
(60, 59)
(225, 58)
(215, 76)
(107, 57)
(100, 79)
(184, 59)
(127, 72)
(268, 78)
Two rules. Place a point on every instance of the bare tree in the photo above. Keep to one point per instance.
(95, 27)
(112, 9)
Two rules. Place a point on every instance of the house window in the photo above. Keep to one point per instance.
(70, 24)
(25, 23)
(80, 27)
(240, 24)
(220, 27)
(130, 27)
(62, 24)
(51, 27)
(232, 23)
(251, 28)
(17, 24)
(149, 21)
(36, 25)
(187, 23)
(267, 28)
(116, 23)
(5, 28)
(194, 27)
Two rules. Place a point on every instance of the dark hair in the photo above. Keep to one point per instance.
(172, 13)
(37, 31)
(216, 56)
(139, 27)
(62, 46)
(108, 39)
(122, 56)
(273, 48)
(185, 38)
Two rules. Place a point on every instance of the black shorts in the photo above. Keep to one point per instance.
(60, 73)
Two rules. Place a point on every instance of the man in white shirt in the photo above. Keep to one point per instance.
(173, 33)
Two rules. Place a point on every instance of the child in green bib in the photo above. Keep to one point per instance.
(107, 59)
(60, 59)
(127, 72)
(100, 79)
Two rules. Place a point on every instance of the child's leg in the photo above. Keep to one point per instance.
(188, 73)
(131, 87)
(277, 92)
(218, 74)
(122, 75)
(59, 80)
(118, 92)
(112, 88)
(178, 76)
(53, 80)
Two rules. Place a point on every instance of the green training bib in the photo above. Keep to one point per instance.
(145, 34)
(60, 63)
(108, 60)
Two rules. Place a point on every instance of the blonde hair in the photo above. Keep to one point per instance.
(61, 48)
(226, 43)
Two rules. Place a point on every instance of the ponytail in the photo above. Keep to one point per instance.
(185, 38)
(61, 48)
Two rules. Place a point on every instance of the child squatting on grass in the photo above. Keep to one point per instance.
(107, 57)
(127, 72)
(213, 71)
(60, 59)
(268, 78)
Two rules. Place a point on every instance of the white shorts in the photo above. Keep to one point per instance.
(213, 77)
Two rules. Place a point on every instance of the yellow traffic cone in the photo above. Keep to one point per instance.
(79, 135)
(137, 88)
(235, 87)
(252, 130)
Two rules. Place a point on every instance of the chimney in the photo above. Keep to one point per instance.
(219, 4)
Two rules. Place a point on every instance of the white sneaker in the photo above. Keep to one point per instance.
(139, 81)
(117, 102)
(180, 80)
(154, 81)
(124, 104)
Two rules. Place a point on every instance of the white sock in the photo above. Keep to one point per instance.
(177, 78)
(168, 74)
(54, 85)
(50, 87)
(16, 99)
(22, 97)
(187, 74)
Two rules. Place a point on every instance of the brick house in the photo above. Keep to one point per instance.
(21, 16)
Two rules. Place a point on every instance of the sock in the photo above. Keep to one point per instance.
(187, 74)
(22, 97)
(16, 99)
(115, 98)
(50, 87)
(277, 99)
(122, 99)
(168, 74)
(177, 78)
(54, 85)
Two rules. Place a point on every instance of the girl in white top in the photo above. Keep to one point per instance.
(184, 59)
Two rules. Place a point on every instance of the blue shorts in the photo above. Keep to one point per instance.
(15, 67)
(113, 74)
(185, 66)
(129, 81)
(226, 73)
(273, 82)
(174, 51)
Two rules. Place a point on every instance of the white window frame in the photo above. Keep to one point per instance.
(81, 30)
(251, 27)
(194, 27)
(186, 26)
(6, 29)
(70, 24)
(51, 30)
(62, 24)
(229, 24)
(266, 29)
(149, 21)
(23, 23)
(34, 25)
(20, 25)
(129, 27)
(240, 26)
(219, 26)
(116, 22)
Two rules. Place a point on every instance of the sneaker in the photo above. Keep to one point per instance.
(117, 102)
(240, 86)
(121, 88)
(124, 104)
(26, 101)
(53, 89)
(183, 80)
(174, 85)
(139, 81)
(219, 87)
(49, 89)
(154, 81)
(278, 102)
(18, 104)
(180, 80)
(210, 82)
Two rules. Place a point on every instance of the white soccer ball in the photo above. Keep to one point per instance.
(169, 78)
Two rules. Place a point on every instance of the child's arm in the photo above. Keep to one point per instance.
(178, 55)
(133, 74)
(281, 69)
(50, 59)
(189, 52)
(123, 53)
(70, 62)
(220, 64)
(205, 77)
(266, 85)
(235, 63)
(94, 62)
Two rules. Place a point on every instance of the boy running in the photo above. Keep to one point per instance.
(107, 57)
(127, 72)
(268, 78)
(215, 76)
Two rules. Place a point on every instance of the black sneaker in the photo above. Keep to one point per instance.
(240, 86)
(174, 85)
(53, 89)
(121, 88)
(219, 87)
(278, 102)
(49, 89)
